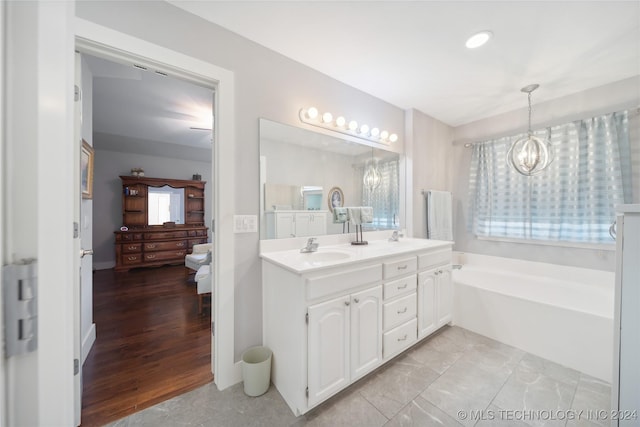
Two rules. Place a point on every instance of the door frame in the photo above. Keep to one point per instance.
(101, 41)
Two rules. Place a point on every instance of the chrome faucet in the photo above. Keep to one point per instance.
(395, 237)
(311, 246)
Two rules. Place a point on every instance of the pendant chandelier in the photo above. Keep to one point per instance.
(530, 155)
(372, 176)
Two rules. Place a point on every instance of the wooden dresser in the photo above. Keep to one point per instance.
(144, 245)
(156, 245)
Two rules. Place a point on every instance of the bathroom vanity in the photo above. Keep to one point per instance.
(334, 315)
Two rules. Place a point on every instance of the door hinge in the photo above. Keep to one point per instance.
(306, 318)
(76, 230)
(306, 392)
(213, 329)
(76, 367)
(77, 93)
(20, 300)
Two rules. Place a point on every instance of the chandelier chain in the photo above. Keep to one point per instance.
(530, 132)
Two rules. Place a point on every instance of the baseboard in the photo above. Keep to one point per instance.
(105, 265)
(87, 342)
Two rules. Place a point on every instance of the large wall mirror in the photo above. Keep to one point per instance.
(304, 174)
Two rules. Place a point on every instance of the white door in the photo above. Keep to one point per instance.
(444, 292)
(318, 224)
(328, 348)
(366, 331)
(426, 303)
(285, 225)
(303, 224)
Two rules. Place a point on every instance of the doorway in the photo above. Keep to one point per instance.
(138, 117)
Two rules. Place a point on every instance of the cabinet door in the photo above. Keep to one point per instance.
(285, 225)
(328, 348)
(366, 331)
(303, 224)
(444, 292)
(426, 303)
(318, 224)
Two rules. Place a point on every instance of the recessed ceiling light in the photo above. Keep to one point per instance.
(478, 39)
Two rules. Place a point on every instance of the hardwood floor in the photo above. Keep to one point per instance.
(151, 343)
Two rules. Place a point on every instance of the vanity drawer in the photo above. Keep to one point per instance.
(400, 287)
(130, 259)
(342, 281)
(400, 267)
(434, 259)
(399, 311)
(165, 246)
(399, 338)
(164, 256)
(131, 247)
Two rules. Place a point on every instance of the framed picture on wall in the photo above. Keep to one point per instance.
(86, 170)
(335, 198)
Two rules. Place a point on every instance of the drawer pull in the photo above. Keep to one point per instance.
(151, 245)
(404, 338)
(181, 244)
(403, 286)
(403, 311)
(356, 300)
(131, 248)
(132, 258)
(402, 267)
(151, 256)
(347, 303)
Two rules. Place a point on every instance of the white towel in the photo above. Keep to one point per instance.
(366, 214)
(355, 215)
(439, 215)
(340, 215)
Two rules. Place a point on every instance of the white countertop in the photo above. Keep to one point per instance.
(329, 256)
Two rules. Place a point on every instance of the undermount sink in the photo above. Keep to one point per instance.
(325, 256)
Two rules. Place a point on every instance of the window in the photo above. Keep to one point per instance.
(572, 201)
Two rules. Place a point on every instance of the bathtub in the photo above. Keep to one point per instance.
(560, 313)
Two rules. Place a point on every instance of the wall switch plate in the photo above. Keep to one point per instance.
(245, 223)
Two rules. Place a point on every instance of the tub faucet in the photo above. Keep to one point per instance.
(395, 237)
(311, 246)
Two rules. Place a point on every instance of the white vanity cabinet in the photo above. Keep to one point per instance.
(344, 341)
(329, 323)
(435, 291)
(285, 224)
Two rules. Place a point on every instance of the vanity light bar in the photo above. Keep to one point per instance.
(313, 117)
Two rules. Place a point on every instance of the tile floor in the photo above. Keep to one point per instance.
(437, 383)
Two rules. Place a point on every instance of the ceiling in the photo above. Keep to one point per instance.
(144, 106)
(412, 54)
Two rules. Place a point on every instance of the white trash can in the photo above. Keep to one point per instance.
(256, 370)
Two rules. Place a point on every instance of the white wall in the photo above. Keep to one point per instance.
(267, 85)
(107, 187)
(601, 100)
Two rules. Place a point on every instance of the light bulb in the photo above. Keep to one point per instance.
(393, 137)
(375, 132)
(340, 121)
(478, 39)
(384, 135)
(312, 112)
(353, 125)
(327, 117)
(364, 129)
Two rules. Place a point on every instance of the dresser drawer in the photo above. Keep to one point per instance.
(131, 247)
(400, 287)
(400, 267)
(165, 255)
(165, 246)
(399, 338)
(434, 259)
(399, 311)
(129, 259)
(163, 235)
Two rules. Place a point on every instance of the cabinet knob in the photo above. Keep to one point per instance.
(435, 274)
(356, 300)
(347, 303)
